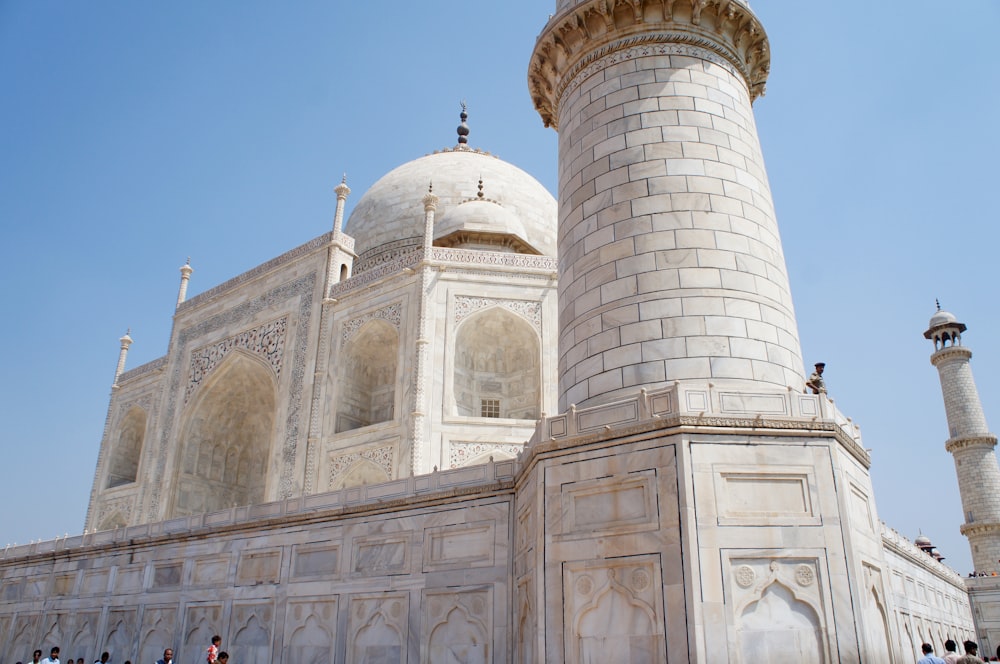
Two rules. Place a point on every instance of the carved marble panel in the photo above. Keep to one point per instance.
(95, 582)
(457, 626)
(861, 510)
(258, 567)
(128, 579)
(613, 611)
(210, 571)
(201, 622)
(121, 634)
(267, 341)
(379, 556)
(461, 545)
(779, 495)
(166, 576)
(252, 627)
(611, 505)
(35, 587)
(63, 584)
(377, 628)
(525, 621)
(779, 606)
(5, 623)
(158, 630)
(10, 590)
(56, 627)
(310, 630)
(24, 634)
(317, 559)
(84, 637)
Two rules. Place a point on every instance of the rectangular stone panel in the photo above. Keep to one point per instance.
(129, 579)
(614, 414)
(63, 584)
(35, 586)
(166, 577)
(609, 505)
(772, 497)
(258, 568)
(210, 571)
(461, 545)
(378, 556)
(741, 402)
(95, 582)
(320, 559)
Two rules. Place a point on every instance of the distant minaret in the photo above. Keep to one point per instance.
(125, 342)
(186, 271)
(970, 441)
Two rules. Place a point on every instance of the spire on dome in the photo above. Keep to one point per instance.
(463, 129)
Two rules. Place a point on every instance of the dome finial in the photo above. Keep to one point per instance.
(480, 194)
(463, 129)
(938, 303)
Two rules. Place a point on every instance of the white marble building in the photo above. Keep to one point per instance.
(420, 437)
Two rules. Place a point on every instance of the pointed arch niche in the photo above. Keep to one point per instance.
(497, 367)
(366, 391)
(778, 625)
(227, 438)
(127, 448)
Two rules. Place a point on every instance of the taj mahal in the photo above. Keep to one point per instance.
(474, 422)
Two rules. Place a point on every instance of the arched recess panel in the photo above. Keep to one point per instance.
(367, 377)
(127, 448)
(227, 438)
(497, 367)
(780, 623)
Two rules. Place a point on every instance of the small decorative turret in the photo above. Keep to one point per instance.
(970, 441)
(430, 207)
(342, 191)
(125, 342)
(186, 271)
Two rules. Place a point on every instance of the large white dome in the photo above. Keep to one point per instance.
(389, 218)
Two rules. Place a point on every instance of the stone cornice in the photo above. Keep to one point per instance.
(951, 353)
(980, 529)
(143, 369)
(965, 442)
(687, 424)
(592, 29)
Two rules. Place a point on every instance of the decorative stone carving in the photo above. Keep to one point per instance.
(613, 611)
(380, 456)
(158, 628)
(310, 630)
(782, 605)
(390, 314)
(200, 624)
(267, 341)
(527, 309)
(250, 627)
(460, 453)
(106, 516)
(457, 626)
(377, 628)
(301, 290)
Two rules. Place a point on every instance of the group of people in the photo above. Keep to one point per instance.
(213, 656)
(951, 655)
(53, 658)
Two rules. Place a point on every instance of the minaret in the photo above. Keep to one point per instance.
(125, 342)
(970, 441)
(186, 271)
(670, 264)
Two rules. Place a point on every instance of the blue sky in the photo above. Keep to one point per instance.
(137, 134)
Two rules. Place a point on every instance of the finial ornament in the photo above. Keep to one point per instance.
(938, 303)
(480, 194)
(463, 129)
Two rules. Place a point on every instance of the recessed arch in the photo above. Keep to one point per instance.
(779, 623)
(497, 366)
(127, 448)
(227, 437)
(367, 377)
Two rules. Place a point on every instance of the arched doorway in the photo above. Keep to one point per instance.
(497, 367)
(227, 438)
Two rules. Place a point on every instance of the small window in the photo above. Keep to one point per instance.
(489, 408)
